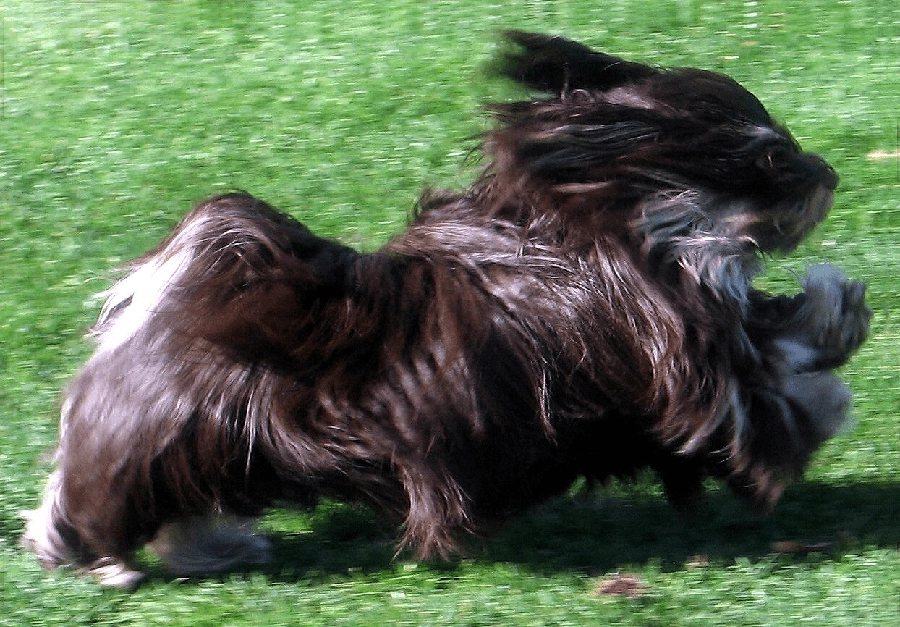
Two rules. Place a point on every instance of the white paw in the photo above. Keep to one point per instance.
(832, 324)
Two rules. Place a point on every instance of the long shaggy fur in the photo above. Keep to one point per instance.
(586, 308)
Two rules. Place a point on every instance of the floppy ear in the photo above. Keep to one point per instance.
(555, 64)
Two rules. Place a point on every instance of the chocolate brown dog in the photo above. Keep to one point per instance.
(584, 309)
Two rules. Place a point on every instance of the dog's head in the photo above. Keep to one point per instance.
(685, 174)
(695, 155)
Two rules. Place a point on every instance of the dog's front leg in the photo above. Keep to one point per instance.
(831, 324)
(802, 338)
(816, 330)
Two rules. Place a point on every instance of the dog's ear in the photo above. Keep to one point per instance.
(555, 64)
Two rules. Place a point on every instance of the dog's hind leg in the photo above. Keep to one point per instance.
(204, 545)
(50, 535)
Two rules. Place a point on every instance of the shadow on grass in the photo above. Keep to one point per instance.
(596, 534)
(603, 535)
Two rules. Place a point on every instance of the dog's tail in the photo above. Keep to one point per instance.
(556, 64)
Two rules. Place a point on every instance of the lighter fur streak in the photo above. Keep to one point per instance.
(716, 252)
(41, 535)
(131, 302)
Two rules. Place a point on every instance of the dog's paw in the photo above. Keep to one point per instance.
(113, 573)
(837, 309)
(200, 546)
(832, 323)
(824, 398)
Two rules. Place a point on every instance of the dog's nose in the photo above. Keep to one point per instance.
(819, 170)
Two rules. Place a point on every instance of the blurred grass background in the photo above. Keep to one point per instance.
(116, 116)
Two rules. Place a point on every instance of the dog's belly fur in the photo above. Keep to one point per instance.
(585, 309)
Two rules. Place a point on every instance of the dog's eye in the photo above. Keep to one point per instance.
(773, 158)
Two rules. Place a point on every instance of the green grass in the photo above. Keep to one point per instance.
(117, 116)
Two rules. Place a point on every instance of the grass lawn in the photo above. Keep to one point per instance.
(116, 116)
